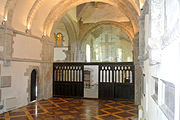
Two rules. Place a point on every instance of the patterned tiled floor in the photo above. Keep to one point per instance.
(73, 109)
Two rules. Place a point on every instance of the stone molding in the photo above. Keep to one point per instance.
(19, 32)
(25, 60)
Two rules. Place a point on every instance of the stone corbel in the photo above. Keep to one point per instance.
(154, 49)
(143, 58)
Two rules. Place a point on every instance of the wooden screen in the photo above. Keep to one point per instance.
(68, 80)
(124, 81)
(116, 80)
(106, 86)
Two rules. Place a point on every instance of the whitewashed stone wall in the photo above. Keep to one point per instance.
(159, 57)
(20, 53)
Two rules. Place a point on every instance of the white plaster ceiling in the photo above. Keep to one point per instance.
(102, 12)
(40, 15)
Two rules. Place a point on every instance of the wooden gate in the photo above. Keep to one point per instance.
(116, 80)
(68, 79)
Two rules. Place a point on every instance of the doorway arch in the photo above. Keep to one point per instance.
(33, 88)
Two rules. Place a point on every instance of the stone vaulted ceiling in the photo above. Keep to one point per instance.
(97, 12)
(39, 15)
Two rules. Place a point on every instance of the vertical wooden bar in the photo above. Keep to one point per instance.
(119, 80)
(54, 79)
(79, 74)
(82, 89)
(125, 73)
(62, 73)
(99, 80)
(102, 75)
(57, 75)
(106, 80)
(68, 74)
(115, 74)
(74, 74)
(129, 76)
(109, 74)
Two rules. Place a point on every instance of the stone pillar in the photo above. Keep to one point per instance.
(6, 50)
(46, 68)
(138, 71)
(68, 54)
(6, 42)
(77, 52)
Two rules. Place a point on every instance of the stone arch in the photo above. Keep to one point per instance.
(99, 25)
(125, 29)
(130, 7)
(58, 12)
(68, 23)
(83, 42)
(32, 12)
(72, 32)
(9, 9)
(28, 74)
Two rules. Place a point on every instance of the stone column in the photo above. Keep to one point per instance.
(77, 52)
(138, 71)
(6, 42)
(46, 68)
(6, 50)
(68, 54)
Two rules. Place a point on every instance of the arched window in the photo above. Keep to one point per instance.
(88, 53)
(108, 44)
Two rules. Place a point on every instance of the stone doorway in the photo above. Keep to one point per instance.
(91, 81)
(33, 85)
